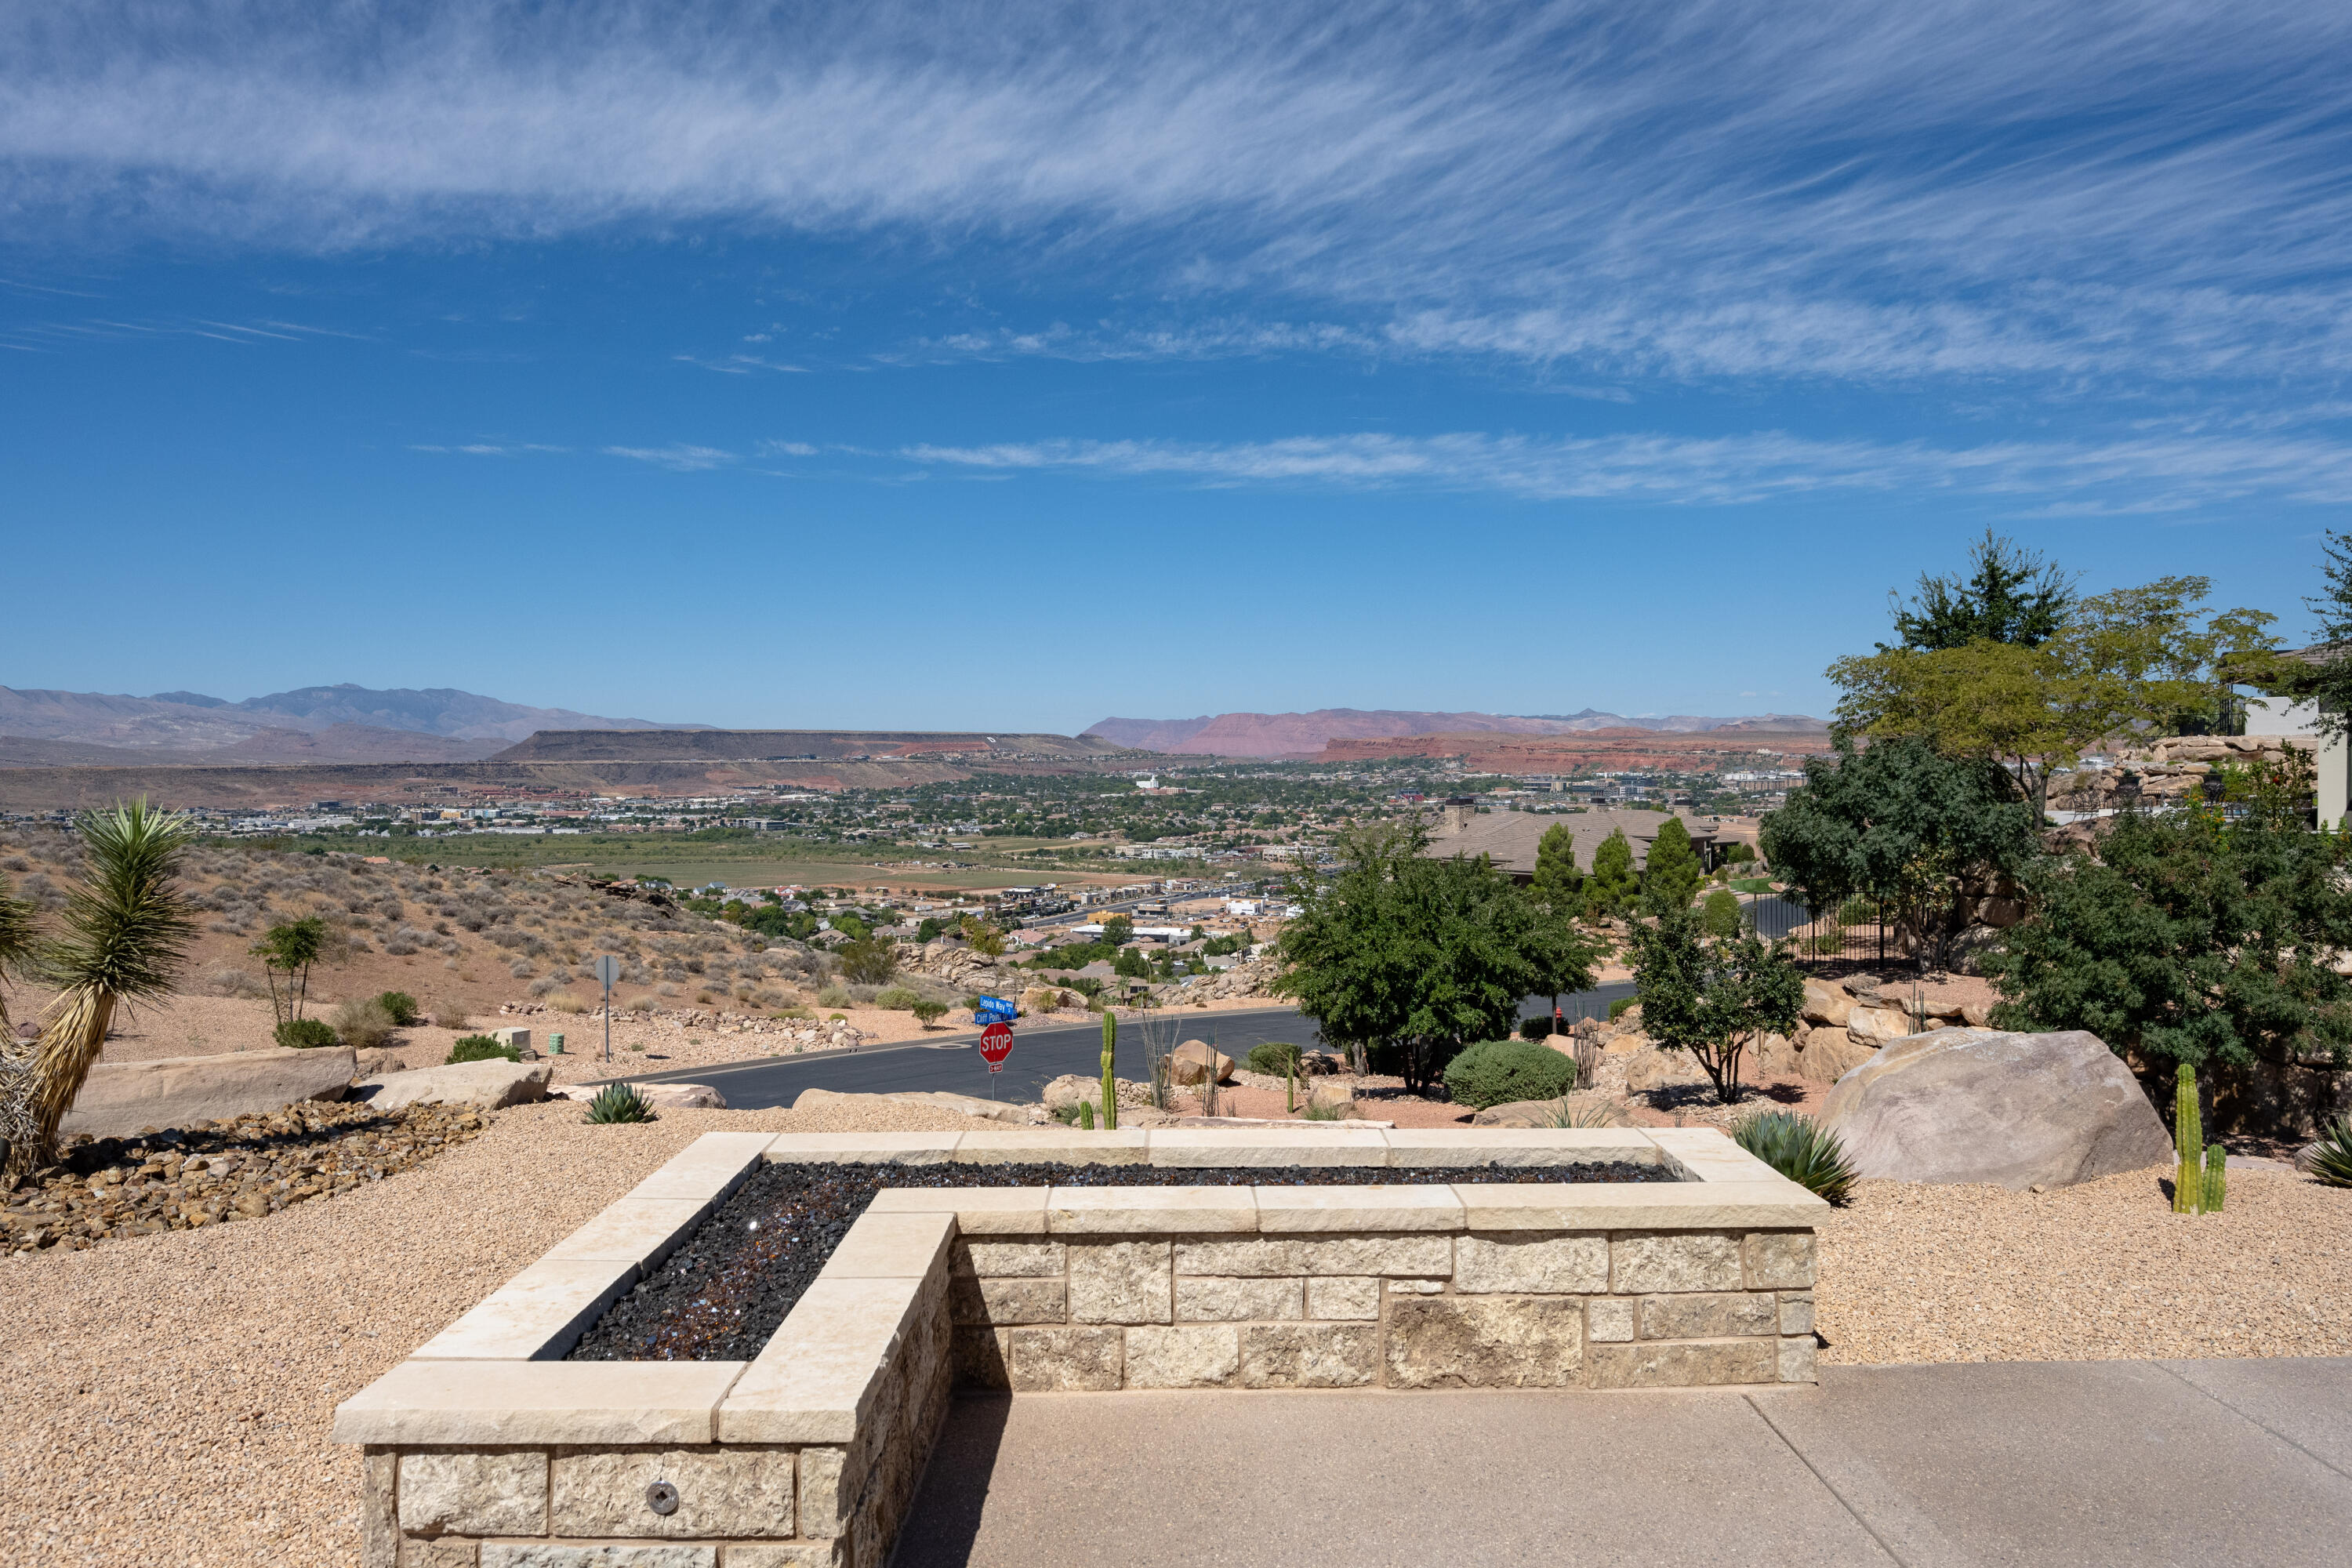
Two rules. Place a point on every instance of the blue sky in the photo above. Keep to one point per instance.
(1014, 365)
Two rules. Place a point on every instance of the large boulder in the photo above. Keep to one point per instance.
(1771, 1058)
(660, 1096)
(1194, 1059)
(1649, 1069)
(1879, 1023)
(2018, 1111)
(1589, 1109)
(487, 1084)
(1831, 1054)
(118, 1098)
(1826, 1004)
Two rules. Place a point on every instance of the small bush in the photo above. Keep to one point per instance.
(899, 999)
(364, 1026)
(869, 962)
(1720, 914)
(1535, 1028)
(1801, 1149)
(1492, 1072)
(928, 1013)
(835, 996)
(451, 1018)
(639, 1004)
(1618, 1008)
(2331, 1156)
(1276, 1058)
(481, 1048)
(617, 1102)
(305, 1033)
(400, 1008)
(1323, 1113)
(567, 1002)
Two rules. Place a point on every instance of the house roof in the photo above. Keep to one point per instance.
(1509, 838)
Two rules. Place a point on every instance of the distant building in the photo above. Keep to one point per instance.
(2300, 722)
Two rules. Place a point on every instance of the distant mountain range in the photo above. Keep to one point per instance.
(310, 724)
(1304, 734)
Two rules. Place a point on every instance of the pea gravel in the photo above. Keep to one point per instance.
(169, 1395)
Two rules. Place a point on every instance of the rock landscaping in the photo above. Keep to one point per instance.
(218, 1171)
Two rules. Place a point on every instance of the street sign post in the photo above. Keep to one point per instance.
(607, 969)
(994, 1010)
(995, 1044)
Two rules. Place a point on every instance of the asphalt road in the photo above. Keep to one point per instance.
(1039, 1055)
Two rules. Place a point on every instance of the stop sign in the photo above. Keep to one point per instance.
(995, 1044)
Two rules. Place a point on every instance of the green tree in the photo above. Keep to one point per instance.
(1671, 878)
(2183, 937)
(868, 962)
(1419, 955)
(1610, 890)
(2328, 683)
(983, 937)
(1558, 884)
(1129, 963)
(1712, 996)
(2011, 595)
(1900, 822)
(1720, 915)
(1117, 931)
(290, 949)
(127, 927)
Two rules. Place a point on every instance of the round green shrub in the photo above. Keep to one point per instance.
(898, 998)
(1276, 1058)
(481, 1048)
(304, 1034)
(1494, 1072)
(402, 1007)
(1620, 1007)
(1535, 1028)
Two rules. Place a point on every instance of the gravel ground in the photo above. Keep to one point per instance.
(170, 1396)
(2102, 1271)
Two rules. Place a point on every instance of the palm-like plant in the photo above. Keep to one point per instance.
(126, 931)
(17, 938)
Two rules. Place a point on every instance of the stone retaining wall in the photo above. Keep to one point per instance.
(485, 1451)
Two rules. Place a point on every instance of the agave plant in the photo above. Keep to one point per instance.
(127, 929)
(618, 1102)
(2331, 1157)
(1801, 1149)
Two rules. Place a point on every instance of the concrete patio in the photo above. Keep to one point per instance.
(2091, 1463)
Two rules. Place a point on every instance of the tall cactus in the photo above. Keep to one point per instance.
(2187, 1142)
(1109, 1058)
(2217, 1180)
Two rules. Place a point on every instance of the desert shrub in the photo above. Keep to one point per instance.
(835, 996)
(2331, 1156)
(870, 962)
(639, 1004)
(305, 1033)
(928, 1013)
(481, 1048)
(1720, 914)
(1276, 1058)
(665, 989)
(1535, 1028)
(1619, 1008)
(400, 1008)
(362, 1026)
(227, 980)
(1801, 1149)
(1323, 1112)
(1492, 1072)
(567, 1002)
(898, 998)
(617, 1102)
(523, 969)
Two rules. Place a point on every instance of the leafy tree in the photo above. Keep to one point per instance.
(1720, 915)
(290, 949)
(769, 920)
(1420, 955)
(1129, 963)
(127, 927)
(984, 937)
(2012, 596)
(1117, 931)
(868, 961)
(2328, 683)
(1610, 887)
(2134, 660)
(932, 930)
(1558, 884)
(1903, 823)
(1670, 879)
(2182, 936)
(853, 928)
(1712, 996)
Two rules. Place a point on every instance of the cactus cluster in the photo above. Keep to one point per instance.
(1109, 1059)
(2201, 1182)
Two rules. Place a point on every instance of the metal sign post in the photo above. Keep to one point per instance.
(995, 1044)
(607, 970)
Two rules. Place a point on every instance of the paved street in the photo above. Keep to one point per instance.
(1039, 1055)
(2075, 1463)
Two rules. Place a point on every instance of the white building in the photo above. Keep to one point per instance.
(2299, 721)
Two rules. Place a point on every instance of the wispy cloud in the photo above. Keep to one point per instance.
(2154, 475)
(490, 448)
(2152, 188)
(742, 364)
(678, 457)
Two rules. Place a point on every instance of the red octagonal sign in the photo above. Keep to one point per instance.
(995, 1044)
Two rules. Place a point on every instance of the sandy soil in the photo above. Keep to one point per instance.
(170, 1394)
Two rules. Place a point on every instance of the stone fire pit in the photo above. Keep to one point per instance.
(487, 1450)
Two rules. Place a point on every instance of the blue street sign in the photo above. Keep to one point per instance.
(995, 1010)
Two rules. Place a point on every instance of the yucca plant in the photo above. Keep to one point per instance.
(618, 1102)
(1801, 1149)
(126, 931)
(1564, 1114)
(2331, 1157)
(18, 938)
